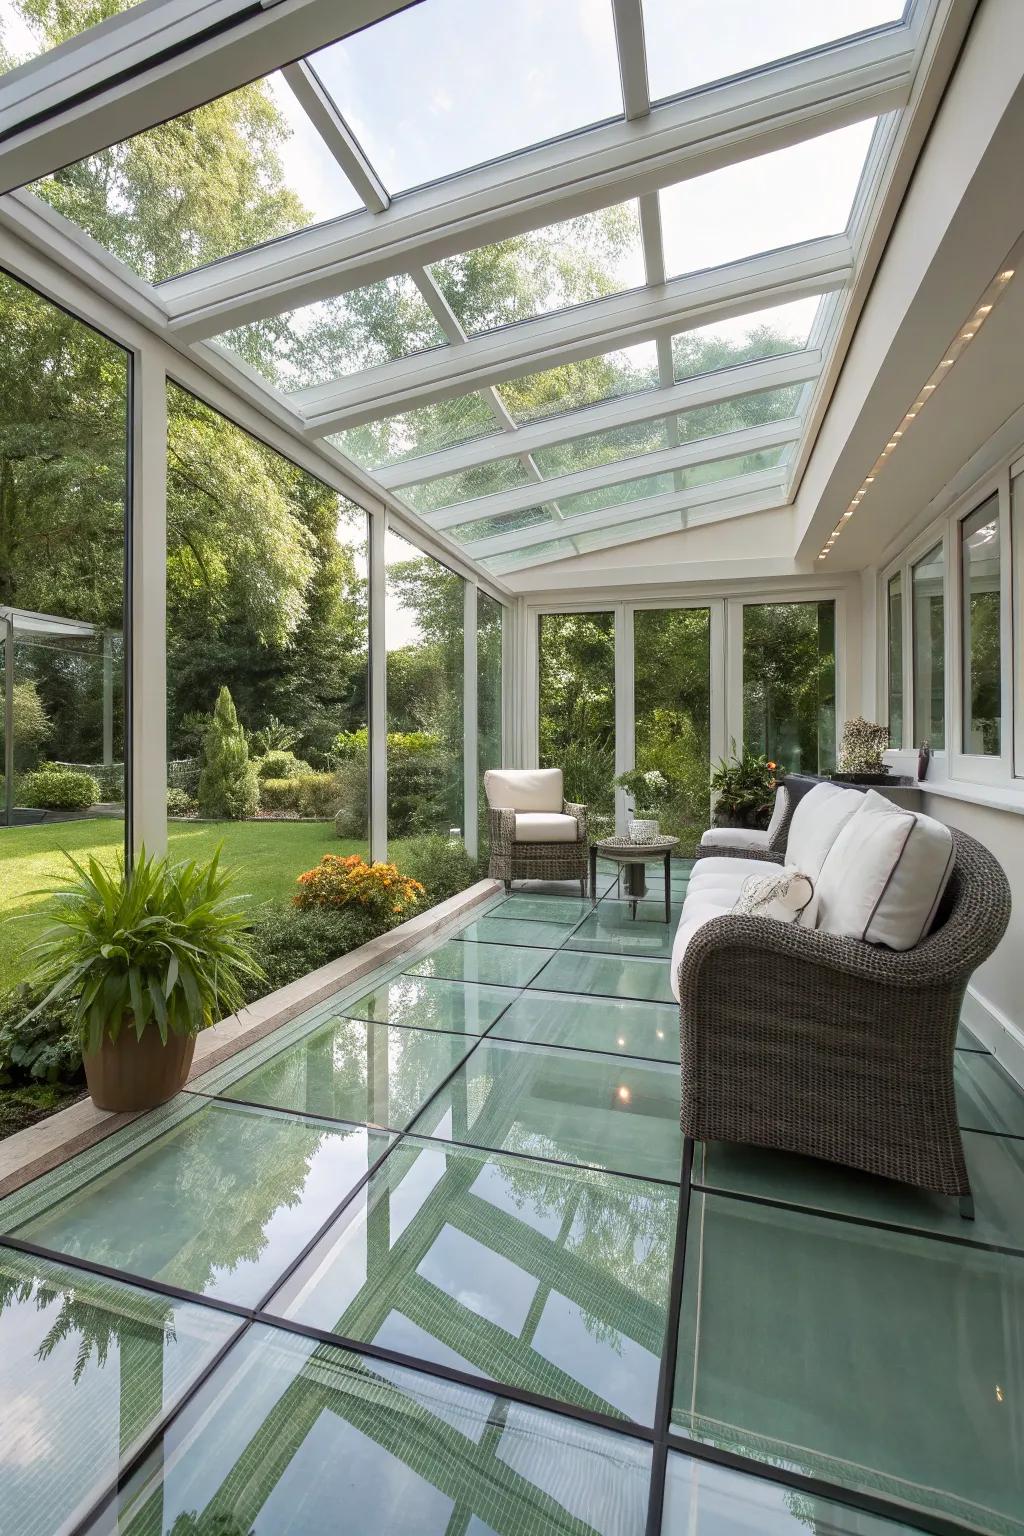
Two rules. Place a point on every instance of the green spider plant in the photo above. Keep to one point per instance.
(163, 943)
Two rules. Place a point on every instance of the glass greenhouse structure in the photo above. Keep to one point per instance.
(399, 392)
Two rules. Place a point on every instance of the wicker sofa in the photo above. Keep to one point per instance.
(535, 833)
(830, 1046)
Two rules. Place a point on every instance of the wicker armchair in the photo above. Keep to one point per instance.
(841, 1050)
(513, 859)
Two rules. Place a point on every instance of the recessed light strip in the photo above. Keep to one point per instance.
(963, 338)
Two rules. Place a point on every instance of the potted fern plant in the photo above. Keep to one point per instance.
(152, 956)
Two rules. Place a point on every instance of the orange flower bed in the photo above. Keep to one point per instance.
(341, 882)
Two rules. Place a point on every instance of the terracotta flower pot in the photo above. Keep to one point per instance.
(130, 1074)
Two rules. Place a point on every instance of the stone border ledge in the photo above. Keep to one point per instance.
(38, 1148)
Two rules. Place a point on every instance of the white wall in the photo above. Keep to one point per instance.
(995, 1009)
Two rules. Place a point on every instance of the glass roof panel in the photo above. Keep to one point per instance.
(427, 429)
(533, 554)
(798, 193)
(638, 438)
(453, 83)
(544, 270)
(503, 522)
(687, 479)
(246, 168)
(335, 337)
(484, 480)
(744, 338)
(23, 37)
(587, 382)
(728, 37)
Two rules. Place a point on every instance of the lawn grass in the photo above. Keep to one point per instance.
(267, 855)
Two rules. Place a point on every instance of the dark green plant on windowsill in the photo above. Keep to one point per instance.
(744, 789)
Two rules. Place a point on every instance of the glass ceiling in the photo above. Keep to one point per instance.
(707, 370)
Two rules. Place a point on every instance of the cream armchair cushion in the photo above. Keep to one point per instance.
(526, 789)
(545, 827)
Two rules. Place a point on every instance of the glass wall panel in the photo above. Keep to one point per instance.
(266, 644)
(982, 607)
(895, 660)
(423, 627)
(64, 392)
(489, 615)
(929, 615)
(789, 683)
(672, 691)
(577, 707)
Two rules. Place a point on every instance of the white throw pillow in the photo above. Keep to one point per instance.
(817, 821)
(884, 877)
(782, 896)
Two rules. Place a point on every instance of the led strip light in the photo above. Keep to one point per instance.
(964, 336)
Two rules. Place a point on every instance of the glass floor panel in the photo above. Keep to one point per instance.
(566, 1105)
(428, 1003)
(512, 930)
(606, 976)
(612, 929)
(219, 1203)
(288, 1433)
(988, 1099)
(69, 1345)
(551, 909)
(618, 1026)
(352, 1070)
(702, 1499)
(873, 1358)
(503, 965)
(551, 1279)
(995, 1165)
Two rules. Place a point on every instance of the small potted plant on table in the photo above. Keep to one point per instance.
(152, 955)
(648, 789)
(860, 753)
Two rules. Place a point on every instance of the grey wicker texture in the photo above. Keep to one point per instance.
(834, 1048)
(510, 860)
(625, 848)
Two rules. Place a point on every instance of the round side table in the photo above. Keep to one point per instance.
(635, 856)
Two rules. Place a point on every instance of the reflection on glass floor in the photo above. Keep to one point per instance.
(406, 1266)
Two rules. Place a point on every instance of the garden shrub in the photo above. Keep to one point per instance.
(280, 764)
(279, 794)
(227, 784)
(441, 866)
(58, 789)
(422, 774)
(44, 1050)
(350, 882)
(317, 795)
(292, 942)
(180, 804)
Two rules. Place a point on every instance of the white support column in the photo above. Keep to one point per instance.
(147, 715)
(717, 682)
(625, 711)
(470, 748)
(378, 721)
(511, 626)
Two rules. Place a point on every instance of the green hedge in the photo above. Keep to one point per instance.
(314, 795)
(58, 789)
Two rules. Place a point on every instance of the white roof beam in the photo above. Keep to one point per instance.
(152, 63)
(726, 445)
(706, 389)
(612, 163)
(337, 135)
(735, 492)
(629, 40)
(583, 331)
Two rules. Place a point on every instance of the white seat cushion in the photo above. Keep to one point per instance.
(712, 891)
(734, 837)
(884, 877)
(524, 789)
(546, 827)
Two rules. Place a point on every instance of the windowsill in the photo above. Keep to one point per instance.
(999, 797)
